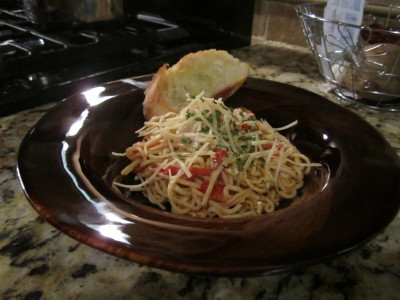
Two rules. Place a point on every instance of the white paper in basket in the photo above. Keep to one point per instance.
(336, 37)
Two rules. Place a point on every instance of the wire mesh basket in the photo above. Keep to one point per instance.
(362, 63)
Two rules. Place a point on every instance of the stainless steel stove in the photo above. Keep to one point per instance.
(41, 64)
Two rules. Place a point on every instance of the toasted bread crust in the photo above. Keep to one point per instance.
(153, 102)
(215, 72)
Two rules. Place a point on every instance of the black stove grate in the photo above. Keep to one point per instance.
(39, 65)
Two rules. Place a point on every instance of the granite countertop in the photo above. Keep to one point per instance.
(39, 262)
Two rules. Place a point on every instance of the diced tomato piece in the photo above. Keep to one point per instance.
(204, 186)
(245, 127)
(219, 157)
(173, 170)
(216, 193)
(267, 146)
(199, 171)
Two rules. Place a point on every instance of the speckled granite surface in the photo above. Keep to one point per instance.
(39, 262)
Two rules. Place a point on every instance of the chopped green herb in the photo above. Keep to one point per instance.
(186, 140)
(218, 114)
(239, 161)
(235, 132)
(246, 148)
(189, 114)
(247, 138)
(204, 130)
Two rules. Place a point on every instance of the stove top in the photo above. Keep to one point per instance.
(39, 65)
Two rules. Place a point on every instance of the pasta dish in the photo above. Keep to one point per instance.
(210, 160)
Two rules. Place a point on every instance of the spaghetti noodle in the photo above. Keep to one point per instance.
(210, 160)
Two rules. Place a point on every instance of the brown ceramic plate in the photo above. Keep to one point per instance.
(64, 158)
